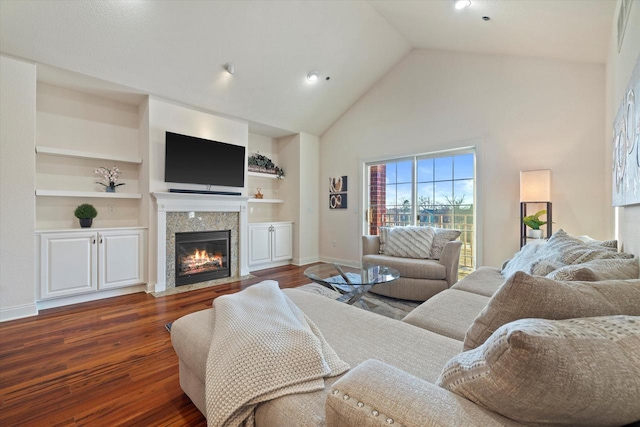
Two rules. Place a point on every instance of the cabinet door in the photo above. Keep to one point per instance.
(282, 237)
(68, 264)
(121, 258)
(259, 244)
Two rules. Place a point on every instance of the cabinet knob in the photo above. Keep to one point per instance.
(101, 240)
(94, 241)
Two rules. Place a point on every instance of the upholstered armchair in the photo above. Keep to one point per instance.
(420, 279)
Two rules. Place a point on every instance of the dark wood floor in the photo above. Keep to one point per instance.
(107, 362)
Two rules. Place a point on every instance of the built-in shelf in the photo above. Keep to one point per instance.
(266, 201)
(95, 194)
(263, 175)
(41, 149)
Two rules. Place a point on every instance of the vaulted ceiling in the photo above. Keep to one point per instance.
(177, 49)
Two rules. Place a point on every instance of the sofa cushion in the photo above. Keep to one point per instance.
(409, 242)
(409, 267)
(574, 372)
(523, 296)
(598, 269)
(448, 313)
(442, 237)
(484, 281)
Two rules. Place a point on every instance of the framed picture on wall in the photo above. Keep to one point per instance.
(338, 192)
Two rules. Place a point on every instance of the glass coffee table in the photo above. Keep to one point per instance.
(351, 282)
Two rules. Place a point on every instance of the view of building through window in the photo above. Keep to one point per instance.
(438, 191)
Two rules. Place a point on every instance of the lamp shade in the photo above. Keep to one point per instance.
(535, 186)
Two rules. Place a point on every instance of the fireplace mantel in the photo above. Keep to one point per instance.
(193, 202)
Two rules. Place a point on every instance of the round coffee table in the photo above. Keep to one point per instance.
(351, 282)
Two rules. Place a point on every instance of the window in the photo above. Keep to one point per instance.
(434, 190)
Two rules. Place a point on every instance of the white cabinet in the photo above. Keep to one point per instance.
(78, 262)
(270, 244)
(69, 264)
(120, 258)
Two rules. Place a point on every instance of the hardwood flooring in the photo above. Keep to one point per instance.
(107, 362)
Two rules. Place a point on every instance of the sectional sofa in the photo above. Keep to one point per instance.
(490, 351)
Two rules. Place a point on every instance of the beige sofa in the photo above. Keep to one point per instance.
(399, 383)
(420, 279)
(395, 365)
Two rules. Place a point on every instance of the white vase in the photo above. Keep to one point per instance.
(535, 234)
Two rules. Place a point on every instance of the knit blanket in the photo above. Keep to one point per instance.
(263, 347)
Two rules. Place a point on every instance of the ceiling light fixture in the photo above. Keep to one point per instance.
(461, 4)
(230, 67)
(313, 76)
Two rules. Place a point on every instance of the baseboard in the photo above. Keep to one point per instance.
(269, 265)
(305, 261)
(340, 261)
(94, 296)
(18, 312)
(157, 287)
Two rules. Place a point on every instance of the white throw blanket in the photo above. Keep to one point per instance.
(263, 347)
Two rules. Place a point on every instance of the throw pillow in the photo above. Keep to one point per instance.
(524, 260)
(573, 372)
(611, 245)
(523, 296)
(599, 269)
(409, 242)
(383, 232)
(568, 250)
(443, 236)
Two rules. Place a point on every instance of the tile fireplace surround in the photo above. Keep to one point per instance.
(178, 212)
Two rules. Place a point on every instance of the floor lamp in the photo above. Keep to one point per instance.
(535, 187)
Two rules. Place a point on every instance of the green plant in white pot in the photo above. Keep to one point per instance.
(85, 213)
(534, 223)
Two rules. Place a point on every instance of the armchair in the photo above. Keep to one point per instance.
(420, 279)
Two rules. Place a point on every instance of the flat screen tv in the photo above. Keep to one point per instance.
(192, 160)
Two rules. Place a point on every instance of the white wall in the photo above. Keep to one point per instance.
(528, 113)
(17, 185)
(619, 68)
(300, 154)
(165, 116)
(309, 209)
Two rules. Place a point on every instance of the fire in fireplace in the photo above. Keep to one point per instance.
(202, 256)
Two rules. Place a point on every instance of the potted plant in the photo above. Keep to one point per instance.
(85, 213)
(260, 163)
(534, 222)
(110, 176)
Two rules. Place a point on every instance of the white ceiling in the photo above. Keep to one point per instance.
(176, 49)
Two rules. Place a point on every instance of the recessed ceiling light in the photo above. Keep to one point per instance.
(230, 67)
(313, 76)
(461, 4)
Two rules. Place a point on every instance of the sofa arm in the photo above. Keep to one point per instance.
(377, 394)
(450, 258)
(370, 245)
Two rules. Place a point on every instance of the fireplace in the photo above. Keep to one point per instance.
(202, 256)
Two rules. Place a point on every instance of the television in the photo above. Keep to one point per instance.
(191, 160)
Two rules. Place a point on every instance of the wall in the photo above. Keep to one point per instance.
(619, 68)
(17, 186)
(526, 113)
(300, 153)
(309, 209)
(165, 116)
